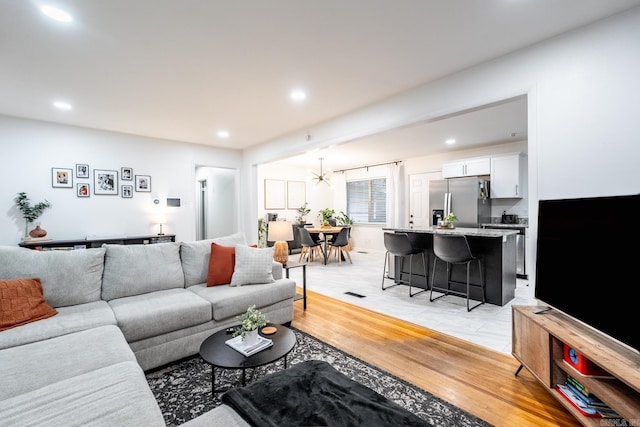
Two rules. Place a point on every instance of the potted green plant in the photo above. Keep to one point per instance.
(325, 215)
(302, 212)
(344, 219)
(30, 213)
(448, 220)
(252, 320)
(262, 233)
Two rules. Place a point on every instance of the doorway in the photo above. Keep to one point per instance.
(419, 213)
(216, 202)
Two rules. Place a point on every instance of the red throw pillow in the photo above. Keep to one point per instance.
(222, 262)
(21, 302)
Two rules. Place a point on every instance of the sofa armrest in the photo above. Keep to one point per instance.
(276, 270)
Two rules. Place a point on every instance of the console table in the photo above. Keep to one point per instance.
(44, 245)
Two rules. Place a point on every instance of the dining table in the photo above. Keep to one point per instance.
(332, 231)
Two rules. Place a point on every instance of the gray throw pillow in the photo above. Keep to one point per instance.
(253, 266)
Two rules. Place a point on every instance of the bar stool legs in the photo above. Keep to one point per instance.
(400, 245)
(449, 291)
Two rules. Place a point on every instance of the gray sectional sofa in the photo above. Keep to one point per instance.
(122, 310)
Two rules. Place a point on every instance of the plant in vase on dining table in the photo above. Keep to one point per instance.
(325, 215)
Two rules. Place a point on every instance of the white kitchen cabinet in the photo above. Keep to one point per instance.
(508, 176)
(468, 167)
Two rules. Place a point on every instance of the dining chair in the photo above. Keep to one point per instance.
(309, 246)
(340, 245)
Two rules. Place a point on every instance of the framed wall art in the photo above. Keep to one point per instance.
(126, 174)
(105, 182)
(82, 170)
(127, 191)
(143, 183)
(274, 194)
(82, 190)
(296, 194)
(61, 178)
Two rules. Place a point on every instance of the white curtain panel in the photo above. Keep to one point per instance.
(339, 183)
(395, 216)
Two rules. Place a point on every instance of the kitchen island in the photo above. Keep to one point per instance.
(495, 248)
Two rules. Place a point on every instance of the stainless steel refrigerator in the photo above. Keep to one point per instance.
(466, 197)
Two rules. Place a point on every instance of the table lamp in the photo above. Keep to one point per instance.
(280, 232)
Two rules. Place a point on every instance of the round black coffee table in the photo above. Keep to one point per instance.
(215, 352)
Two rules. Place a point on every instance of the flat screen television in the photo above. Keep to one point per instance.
(588, 262)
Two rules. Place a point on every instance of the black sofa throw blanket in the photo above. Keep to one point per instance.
(313, 393)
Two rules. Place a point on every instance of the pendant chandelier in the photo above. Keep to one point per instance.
(322, 176)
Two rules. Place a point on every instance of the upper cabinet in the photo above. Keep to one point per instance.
(508, 176)
(468, 167)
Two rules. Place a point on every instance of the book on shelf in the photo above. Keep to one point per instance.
(582, 393)
(578, 401)
(247, 350)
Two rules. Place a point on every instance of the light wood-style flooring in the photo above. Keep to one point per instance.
(472, 377)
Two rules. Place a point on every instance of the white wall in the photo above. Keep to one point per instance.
(31, 148)
(582, 92)
(221, 209)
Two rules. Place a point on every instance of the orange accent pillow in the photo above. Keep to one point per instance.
(21, 302)
(222, 263)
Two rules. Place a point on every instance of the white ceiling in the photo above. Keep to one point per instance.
(182, 70)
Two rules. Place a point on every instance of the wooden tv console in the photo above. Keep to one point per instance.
(538, 345)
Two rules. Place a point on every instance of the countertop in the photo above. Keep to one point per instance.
(501, 225)
(480, 232)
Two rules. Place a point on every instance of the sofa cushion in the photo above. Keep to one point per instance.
(227, 301)
(253, 266)
(195, 256)
(68, 320)
(221, 264)
(21, 302)
(157, 313)
(29, 367)
(116, 395)
(139, 269)
(68, 277)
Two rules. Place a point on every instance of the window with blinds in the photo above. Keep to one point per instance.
(367, 201)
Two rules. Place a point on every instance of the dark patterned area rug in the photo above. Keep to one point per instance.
(183, 389)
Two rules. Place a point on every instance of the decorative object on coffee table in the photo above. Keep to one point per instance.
(252, 320)
(30, 213)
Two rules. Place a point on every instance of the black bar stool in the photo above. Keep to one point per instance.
(399, 244)
(454, 249)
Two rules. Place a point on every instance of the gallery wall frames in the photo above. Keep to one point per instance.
(61, 178)
(82, 170)
(143, 183)
(83, 190)
(105, 182)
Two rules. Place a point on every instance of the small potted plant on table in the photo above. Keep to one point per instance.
(31, 213)
(252, 320)
(302, 212)
(324, 216)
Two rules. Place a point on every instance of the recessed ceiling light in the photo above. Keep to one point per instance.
(223, 134)
(62, 105)
(450, 141)
(298, 95)
(56, 14)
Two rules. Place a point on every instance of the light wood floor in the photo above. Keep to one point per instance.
(474, 378)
